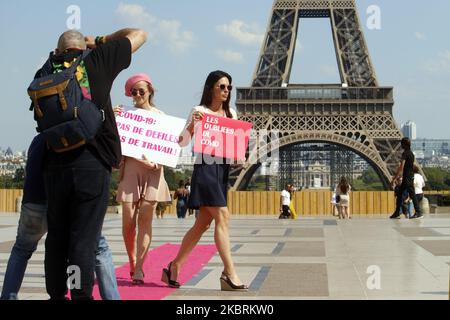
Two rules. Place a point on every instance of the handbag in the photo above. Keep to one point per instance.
(338, 198)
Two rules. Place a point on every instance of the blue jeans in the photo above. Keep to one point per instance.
(105, 272)
(32, 227)
(181, 209)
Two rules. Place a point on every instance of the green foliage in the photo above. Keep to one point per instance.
(438, 179)
(257, 184)
(369, 181)
(13, 182)
(370, 177)
(174, 177)
(360, 185)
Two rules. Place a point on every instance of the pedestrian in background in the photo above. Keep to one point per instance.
(343, 198)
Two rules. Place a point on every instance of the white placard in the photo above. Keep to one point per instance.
(151, 134)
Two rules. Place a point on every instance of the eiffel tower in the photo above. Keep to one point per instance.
(355, 115)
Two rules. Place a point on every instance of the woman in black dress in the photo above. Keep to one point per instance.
(209, 189)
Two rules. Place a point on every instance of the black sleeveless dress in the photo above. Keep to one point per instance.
(209, 184)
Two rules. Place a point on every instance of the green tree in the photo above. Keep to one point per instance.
(174, 177)
(19, 178)
(13, 182)
(370, 176)
(437, 178)
(369, 181)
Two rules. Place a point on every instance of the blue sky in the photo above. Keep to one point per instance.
(190, 38)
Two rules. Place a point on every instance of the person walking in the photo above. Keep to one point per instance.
(181, 195)
(397, 191)
(142, 186)
(209, 188)
(406, 168)
(285, 202)
(77, 181)
(291, 204)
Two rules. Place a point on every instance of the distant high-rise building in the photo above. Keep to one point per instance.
(409, 130)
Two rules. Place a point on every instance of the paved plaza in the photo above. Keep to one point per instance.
(310, 258)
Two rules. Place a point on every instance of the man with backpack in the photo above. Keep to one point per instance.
(72, 105)
(33, 226)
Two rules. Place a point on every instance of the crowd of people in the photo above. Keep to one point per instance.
(66, 193)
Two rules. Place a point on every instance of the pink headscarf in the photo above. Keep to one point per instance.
(135, 79)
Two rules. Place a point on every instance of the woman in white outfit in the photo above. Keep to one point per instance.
(419, 183)
(343, 198)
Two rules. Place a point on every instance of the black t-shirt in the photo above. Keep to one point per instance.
(408, 169)
(103, 65)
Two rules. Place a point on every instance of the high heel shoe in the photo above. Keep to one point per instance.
(138, 278)
(166, 275)
(227, 285)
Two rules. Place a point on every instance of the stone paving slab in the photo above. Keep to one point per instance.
(310, 258)
(418, 232)
(436, 247)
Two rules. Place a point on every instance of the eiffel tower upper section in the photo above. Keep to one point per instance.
(356, 114)
(275, 64)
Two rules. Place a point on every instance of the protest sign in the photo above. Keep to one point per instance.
(222, 137)
(151, 134)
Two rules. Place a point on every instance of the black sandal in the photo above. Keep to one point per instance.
(166, 275)
(227, 285)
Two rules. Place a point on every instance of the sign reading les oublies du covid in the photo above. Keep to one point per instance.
(151, 134)
(222, 137)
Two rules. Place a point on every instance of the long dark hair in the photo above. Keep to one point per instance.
(207, 95)
(343, 185)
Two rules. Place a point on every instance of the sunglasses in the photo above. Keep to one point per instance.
(223, 87)
(141, 92)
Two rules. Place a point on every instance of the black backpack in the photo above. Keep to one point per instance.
(64, 116)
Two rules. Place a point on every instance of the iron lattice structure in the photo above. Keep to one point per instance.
(355, 114)
(298, 163)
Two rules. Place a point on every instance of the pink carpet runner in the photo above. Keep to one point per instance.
(157, 259)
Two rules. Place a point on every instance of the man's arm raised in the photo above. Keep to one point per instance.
(137, 38)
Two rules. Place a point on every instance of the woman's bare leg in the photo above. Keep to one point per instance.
(144, 238)
(221, 217)
(129, 217)
(190, 240)
(347, 212)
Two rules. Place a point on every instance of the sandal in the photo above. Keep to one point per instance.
(227, 285)
(166, 277)
(138, 278)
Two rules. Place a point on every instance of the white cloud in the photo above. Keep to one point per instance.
(179, 40)
(136, 14)
(230, 56)
(420, 35)
(440, 65)
(160, 30)
(242, 32)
